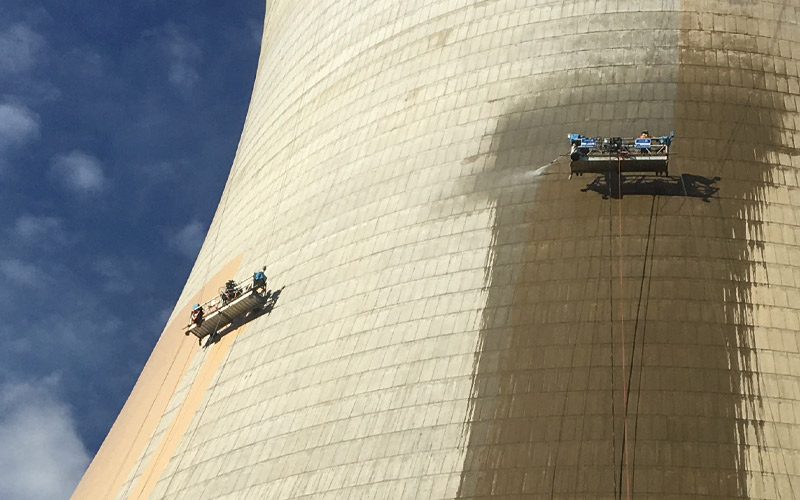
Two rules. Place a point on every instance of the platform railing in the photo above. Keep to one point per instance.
(218, 302)
(619, 146)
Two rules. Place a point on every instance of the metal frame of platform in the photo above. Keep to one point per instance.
(220, 313)
(619, 154)
(227, 314)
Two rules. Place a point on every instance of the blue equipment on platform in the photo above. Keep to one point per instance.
(619, 154)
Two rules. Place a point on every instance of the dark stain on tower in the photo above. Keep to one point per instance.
(617, 348)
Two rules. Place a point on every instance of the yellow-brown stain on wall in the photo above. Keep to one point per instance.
(155, 467)
(145, 407)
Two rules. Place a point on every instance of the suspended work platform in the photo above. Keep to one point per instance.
(601, 155)
(235, 302)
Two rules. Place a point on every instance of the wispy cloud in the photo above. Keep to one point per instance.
(42, 456)
(18, 124)
(19, 48)
(79, 172)
(119, 276)
(129, 79)
(188, 239)
(156, 173)
(21, 273)
(33, 228)
(256, 31)
(182, 75)
(184, 55)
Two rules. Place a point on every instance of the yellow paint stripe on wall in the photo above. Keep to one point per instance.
(160, 458)
(149, 398)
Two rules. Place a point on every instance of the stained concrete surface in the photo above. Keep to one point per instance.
(460, 319)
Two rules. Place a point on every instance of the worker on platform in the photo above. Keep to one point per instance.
(644, 135)
(197, 314)
(231, 292)
(259, 278)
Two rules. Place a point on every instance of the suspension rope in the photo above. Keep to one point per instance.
(648, 259)
(611, 332)
(597, 292)
(186, 361)
(141, 460)
(212, 251)
(283, 177)
(622, 337)
(199, 417)
(225, 196)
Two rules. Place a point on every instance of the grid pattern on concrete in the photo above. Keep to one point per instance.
(459, 319)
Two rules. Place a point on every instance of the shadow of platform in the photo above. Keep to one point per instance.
(611, 185)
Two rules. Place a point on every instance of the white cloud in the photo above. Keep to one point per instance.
(182, 75)
(38, 228)
(180, 46)
(18, 124)
(41, 456)
(256, 30)
(184, 54)
(188, 239)
(22, 273)
(19, 49)
(156, 173)
(118, 276)
(80, 172)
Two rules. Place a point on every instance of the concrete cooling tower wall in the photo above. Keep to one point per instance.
(458, 317)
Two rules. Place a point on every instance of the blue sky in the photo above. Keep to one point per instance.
(118, 125)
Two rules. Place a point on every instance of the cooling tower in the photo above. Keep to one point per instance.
(458, 317)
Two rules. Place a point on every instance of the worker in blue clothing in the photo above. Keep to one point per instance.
(259, 278)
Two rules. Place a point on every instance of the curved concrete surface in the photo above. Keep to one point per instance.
(458, 318)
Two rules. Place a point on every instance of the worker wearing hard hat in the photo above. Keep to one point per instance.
(197, 314)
